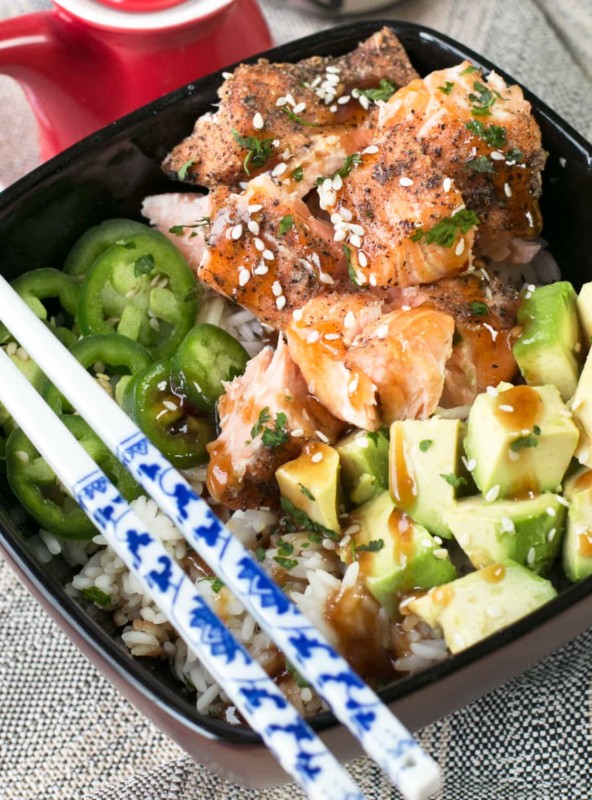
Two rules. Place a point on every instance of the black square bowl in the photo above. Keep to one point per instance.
(107, 175)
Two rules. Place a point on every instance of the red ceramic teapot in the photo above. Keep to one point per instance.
(88, 62)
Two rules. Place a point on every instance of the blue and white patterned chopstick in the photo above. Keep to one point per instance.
(300, 752)
(381, 735)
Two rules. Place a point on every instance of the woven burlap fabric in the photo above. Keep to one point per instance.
(65, 733)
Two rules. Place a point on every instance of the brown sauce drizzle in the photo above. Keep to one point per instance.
(527, 407)
(403, 485)
(443, 595)
(583, 482)
(493, 574)
(585, 544)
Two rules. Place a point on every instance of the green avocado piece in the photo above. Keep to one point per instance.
(395, 554)
(520, 440)
(577, 544)
(581, 407)
(584, 304)
(426, 473)
(547, 350)
(364, 465)
(311, 483)
(482, 603)
(528, 531)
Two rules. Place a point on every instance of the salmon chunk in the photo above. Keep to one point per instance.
(267, 415)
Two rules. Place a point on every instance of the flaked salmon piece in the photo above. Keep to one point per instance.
(482, 134)
(369, 367)
(484, 312)
(268, 252)
(400, 220)
(267, 415)
(184, 218)
(273, 113)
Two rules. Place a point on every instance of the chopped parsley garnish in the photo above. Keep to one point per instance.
(285, 548)
(447, 88)
(453, 480)
(144, 265)
(264, 417)
(286, 223)
(306, 492)
(372, 547)
(298, 174)
(514, 156)
(536, 430)
(444, 231)
(468, 70)
(276, 436)
(259, 150)
(349, 163)
(384, 91)
(479, 309)
(286, 563)
(481, 99)
(524, 441)
(425, 445)
(260, 554)
(295, 118)
(215, 582)
(373, 437)
(179, 230)
(306, 523)
(350, 269)
(182, 171)
(97, 596)
(481, 164)
(493, 135)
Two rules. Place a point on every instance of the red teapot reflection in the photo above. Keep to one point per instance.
(85, 63)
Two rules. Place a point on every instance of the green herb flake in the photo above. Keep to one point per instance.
(493, 135)
(372, 547)
(97, 596)
(306, 492)
(276, 436)
(286, 563)
(315, 538)
(260, 554)
(286, 223)
(481, 100)
(479, 309)
(384, 91)
(425, 445)
(481, 164)
(514, 156)
(524, 441)
(259, 150)
(469, 70)
(285, 548)
(453, 480)
(536, 430)
(445, 230)
(215, 583)
(182, 172)
(447, 88)
(298, 174)
(344, 170)
(299, 120)
(305, 522)
(264, 417)
(350, 269)
(179, 230)
(144, 265)
(415, 237)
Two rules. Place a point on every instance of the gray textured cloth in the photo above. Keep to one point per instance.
(65, 733)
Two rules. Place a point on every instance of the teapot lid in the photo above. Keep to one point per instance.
(141, 15)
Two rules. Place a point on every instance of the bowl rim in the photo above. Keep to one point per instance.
(15, 550)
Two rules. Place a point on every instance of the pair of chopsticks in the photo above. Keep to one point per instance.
(300, 752)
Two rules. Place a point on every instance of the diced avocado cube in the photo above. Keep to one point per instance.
(581, 407)
(482, 603)
(528, 532)
(395, 554)
(311, 483)
(364, 465)
(585, 312)
(577, 544)
(426, 473)
(520, 440)
(547, 350)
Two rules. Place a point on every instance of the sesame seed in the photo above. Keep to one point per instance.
(276, 143)
(382, 332)
(459, 208)
(370, 150)
(278, 170)
(297, 314)
(441, 553)
(493, 612)
(352, 530)
(331, 337)
(362, 259)
(337, 183)
(297, 433)
(298, 109)
(277, 288)
(280, 302)
(551, 511)
(327, 199)
(405, 308)
(322, 437)
(332, 70)
(268, 255)
(262, 269)
(404, 181)
(290, 99)
(496, 156)
(316, 458)
(551, 534)
(349, 320)
(458, 639)
(562, 500)
(253, 209)
(507, 190)
(345, 98)
(460, 247)
(258, 121)
(531, 556)
(22, 456)
(325, 278)
(357, 229)
(447, 184)
(346, 214)
(508, 525)
(227, 75)
(505, 407)
(281, 101)
(472, 464)
(493, 493)
(313, 337)
(244, 276)
(333, 109)
(492, 391)
(355, 240)
(364, 102)
(373, 280)
(236, 232)
(336, 218)
(169, 405)
(353, 384)
(259, 244)
(253, 227)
